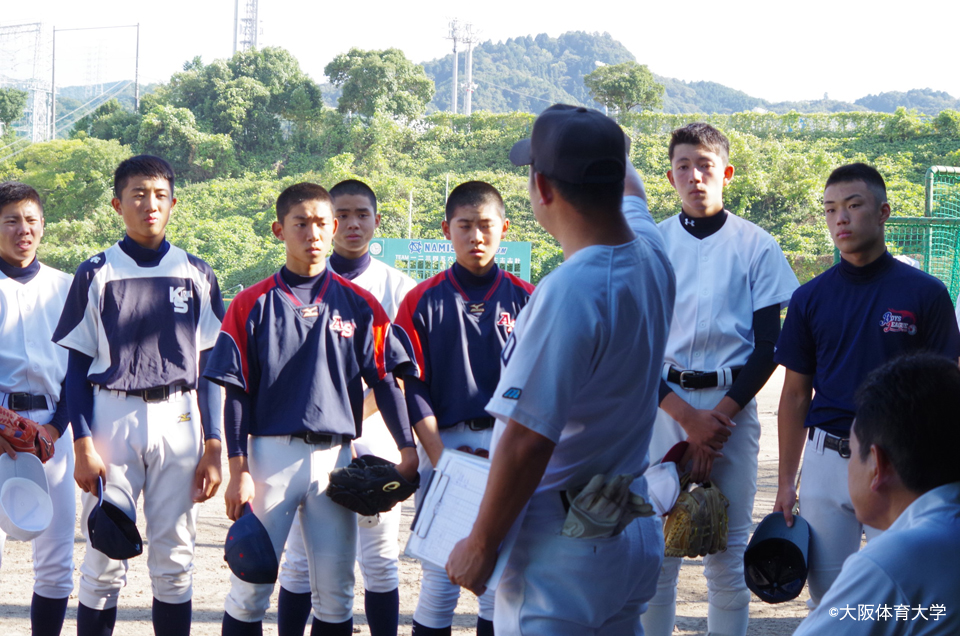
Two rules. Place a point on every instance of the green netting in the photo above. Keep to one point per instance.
(933, 243)
(943, 192)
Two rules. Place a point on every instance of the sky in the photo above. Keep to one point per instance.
(773, 50)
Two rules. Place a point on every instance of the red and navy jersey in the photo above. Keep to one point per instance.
(303, 365)
(458, 325)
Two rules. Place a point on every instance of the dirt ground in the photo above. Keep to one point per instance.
(211, 579)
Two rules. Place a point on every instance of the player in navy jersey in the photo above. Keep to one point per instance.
(458, 322)
(139, 321)
(840, 326)
(293, 355)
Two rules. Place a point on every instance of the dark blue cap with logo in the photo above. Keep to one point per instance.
(249, 551)
(775, 562)
(112, 523)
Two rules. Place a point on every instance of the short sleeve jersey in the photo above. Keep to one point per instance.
(849, 320)
(29, 361)
(583, 363)
(144, 327)
(721, 281)
(304, 365)
(387, 284)
(457, 339)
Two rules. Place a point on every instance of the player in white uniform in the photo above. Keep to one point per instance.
(567, 413)
(378, 547)
(732, 281)
(32, 370)
(138, 322)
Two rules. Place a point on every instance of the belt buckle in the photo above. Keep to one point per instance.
(843, 447)
(18, 402)
(156, 394)
(687, 373)
(479, 424)
(317, 438)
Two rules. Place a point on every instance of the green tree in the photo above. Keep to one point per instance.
(12, 104)
(623, 87)
(109, 121)
(384, 82)
(172, 133)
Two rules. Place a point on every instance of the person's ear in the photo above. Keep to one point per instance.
(545, 191)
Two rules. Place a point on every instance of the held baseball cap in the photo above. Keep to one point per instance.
(574, 144)
(775, 562)
(249, 551)
(112, 524)
(25, 505)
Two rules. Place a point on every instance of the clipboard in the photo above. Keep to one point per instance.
(449, 508)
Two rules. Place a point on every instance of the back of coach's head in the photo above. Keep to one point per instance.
(581, 152)
(910, 408)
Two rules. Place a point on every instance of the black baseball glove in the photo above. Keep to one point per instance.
(369, 485)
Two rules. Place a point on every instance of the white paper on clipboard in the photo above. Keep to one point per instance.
(450, 506)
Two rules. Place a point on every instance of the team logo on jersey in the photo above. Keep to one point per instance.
(311, 311)
(345, 327)
(513, 393)
(476, 309)
(179, 297)
(184, 417)
(95, 259)
(689, 221)
(897, 321)
(506, 321)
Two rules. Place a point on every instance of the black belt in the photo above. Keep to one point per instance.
(479, 423)
(310, 437)
(832, 442)
(27, 402)
(688, 379)
(156, 394)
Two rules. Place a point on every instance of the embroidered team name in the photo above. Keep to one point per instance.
(179, 297)
(345, 327)
(506, 321)
(896, 321)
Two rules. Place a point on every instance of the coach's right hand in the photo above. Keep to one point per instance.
(240, 488)
(88, 466)
(786, 500)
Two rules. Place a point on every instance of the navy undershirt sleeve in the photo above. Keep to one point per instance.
(236, 420)
(79, 394)
(209, 401)
(760, 365)
(419, 405)
(61, 419)
(390, 402)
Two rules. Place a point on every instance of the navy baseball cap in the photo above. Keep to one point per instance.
(574, 144)
(775, 561)
(249, 550)
(112, 524)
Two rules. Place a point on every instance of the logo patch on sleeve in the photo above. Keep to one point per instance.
(513, 393)
(898, 321)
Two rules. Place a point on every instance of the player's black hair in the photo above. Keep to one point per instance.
(473, 194)
(354, 187)
(701, 134)
(15, 192)
(908, 407)
(860, 172)
(141, 166)
(298, 193)
(590, 197)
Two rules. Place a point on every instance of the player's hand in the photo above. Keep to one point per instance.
(7, 448)
(53, 432)
(470, 565)
(207, 478)
(700, 459)
(786, 500)
(409, 463)
(240, 489)
(88, 465)
(707, 428)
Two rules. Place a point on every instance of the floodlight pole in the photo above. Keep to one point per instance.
(53, 89)
(136, 73)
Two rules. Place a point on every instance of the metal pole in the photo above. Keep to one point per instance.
(53, 89)
(468, 95)
(410, 217)
(446, 190)
(136, 73)
(236, 23)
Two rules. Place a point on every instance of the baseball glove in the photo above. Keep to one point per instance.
(25, 436)
(697, 524)
(369, 485)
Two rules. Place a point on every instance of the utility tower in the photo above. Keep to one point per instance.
(25, 60)
(246, 26)
(455, 35)
(470, 37)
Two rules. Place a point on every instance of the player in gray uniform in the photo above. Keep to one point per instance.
(378, 547)
(32, 370)
(568, 414)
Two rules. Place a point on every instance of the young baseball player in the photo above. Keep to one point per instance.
(904, 479)
(139, 321)
(378, 548)
(459, 321)
(293, 355)
(732, 280)
(32, 370)
(576, 400)
(840, 326)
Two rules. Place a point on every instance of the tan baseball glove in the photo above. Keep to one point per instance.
(697, 524)
(25, 436)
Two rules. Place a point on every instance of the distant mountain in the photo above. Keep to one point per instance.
(925, 100)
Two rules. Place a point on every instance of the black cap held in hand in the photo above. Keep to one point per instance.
(574, 144)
